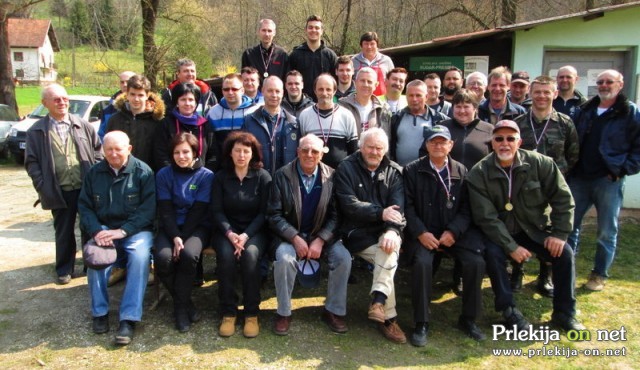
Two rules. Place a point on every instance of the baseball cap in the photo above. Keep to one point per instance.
(438, 131)
(520, 76)
(505, 123)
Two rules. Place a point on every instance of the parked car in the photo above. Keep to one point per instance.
(8, 117)
(88, 107)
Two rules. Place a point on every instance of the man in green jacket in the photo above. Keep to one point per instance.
(521, 202)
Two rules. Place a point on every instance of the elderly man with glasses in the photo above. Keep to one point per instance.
(609, 133)
(511, 192)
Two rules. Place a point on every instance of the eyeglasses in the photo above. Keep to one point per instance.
(511, 139)
(475, 83)
(60, 99)
(234, 89)
(605, 82)
(309, 150)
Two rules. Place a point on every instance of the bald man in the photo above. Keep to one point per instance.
(61, 147)
(117, 209)
(274, 127)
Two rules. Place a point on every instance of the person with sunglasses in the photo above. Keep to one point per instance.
(511, 192)
(370, 195)
(303, 218)
(609, 131)
(234, 106)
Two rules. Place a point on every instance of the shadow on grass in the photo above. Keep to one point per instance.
(52, 322)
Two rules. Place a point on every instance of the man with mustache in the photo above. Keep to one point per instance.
(609, 134)
(521, 202)
(396, 78)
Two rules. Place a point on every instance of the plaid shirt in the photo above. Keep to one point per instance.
(61, 127)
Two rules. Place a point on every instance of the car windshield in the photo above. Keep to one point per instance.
(78, 107)
(8, 114)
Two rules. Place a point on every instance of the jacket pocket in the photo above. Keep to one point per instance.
(532, 193)
(131, 202)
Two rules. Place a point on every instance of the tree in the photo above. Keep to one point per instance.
(7, 86)
(149, 49)
(59, 9)
(79, 22)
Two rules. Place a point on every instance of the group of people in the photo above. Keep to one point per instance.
(293, 165)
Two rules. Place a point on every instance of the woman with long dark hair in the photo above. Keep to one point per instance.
(239, 200)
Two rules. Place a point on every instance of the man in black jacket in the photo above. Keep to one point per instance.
(268, 58)
(439, 219)
(312, 58)
(370, 196)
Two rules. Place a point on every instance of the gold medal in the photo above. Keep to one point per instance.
(508, 206)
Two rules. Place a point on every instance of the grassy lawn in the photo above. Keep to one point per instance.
(64, 339)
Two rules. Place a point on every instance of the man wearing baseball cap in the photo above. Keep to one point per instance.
(510, 192)
(519, 89)
(439, 220)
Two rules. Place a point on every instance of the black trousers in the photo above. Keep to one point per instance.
(473, 267)
(227, 268)
(563, 268)
(64, 222)
(177, 276)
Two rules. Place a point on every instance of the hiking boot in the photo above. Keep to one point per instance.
(251, 328)
(596, 282)
(227, 326)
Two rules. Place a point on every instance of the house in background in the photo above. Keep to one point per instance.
(32, 43)
(591, 40)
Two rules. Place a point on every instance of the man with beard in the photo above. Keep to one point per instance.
(521, 202)
(569, 99)
(452, 83)
(609, 131)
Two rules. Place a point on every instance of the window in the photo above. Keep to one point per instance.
(18, 56)
(19, 73)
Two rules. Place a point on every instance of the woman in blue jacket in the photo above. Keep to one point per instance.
(183, 194)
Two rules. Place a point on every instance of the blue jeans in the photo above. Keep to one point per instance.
(606, 196)
(284, 272)
(137, 248)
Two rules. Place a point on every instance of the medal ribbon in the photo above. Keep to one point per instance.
(325, 138)
(538, 139)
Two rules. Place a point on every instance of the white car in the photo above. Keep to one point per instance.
(89, 107)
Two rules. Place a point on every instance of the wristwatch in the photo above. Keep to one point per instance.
(124, 233)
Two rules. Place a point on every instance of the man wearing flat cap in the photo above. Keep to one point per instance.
(523, 205)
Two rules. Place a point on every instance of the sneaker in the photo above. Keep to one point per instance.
(514, 317)
(117, 275)
(393, 332)
(376, 312)
(251, 328)
(125, 332)
(101, 324)
(596, 282)
(227, 326)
